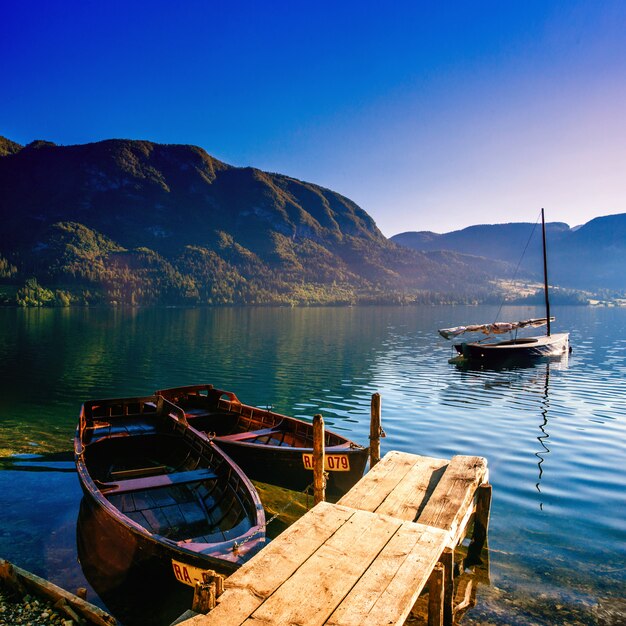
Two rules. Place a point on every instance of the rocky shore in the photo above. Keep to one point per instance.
(16, 610)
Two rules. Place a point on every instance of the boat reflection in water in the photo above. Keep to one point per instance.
(134, 596)
(517, 362)
(545, 435)
(531, 383)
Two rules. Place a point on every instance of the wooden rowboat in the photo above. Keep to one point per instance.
(268, 446)
(166, 501)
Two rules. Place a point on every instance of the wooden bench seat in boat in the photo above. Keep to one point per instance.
(103, 428)
(252, 434)
(191, 412)
(154, 482)
(139, 472)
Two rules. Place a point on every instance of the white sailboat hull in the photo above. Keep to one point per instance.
(522, 348)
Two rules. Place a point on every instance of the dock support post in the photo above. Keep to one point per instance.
(319, 481)
(465, 595)
(375, 430)
(481, 524)
(447, 559)
(218, 579)
(207, 592)
(203, 597)
(435, 596)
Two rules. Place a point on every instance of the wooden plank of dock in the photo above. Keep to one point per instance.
(388, 589)
(365, 559)
(396, 486)
(365, 568)
(434, 492)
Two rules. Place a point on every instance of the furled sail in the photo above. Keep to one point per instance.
(497, 328)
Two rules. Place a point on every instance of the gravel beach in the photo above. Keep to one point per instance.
(29, 611)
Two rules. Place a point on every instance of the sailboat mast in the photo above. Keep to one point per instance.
(545, 270)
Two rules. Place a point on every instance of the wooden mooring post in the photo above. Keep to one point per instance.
(319, 460)
(375, 430)
(207, 592)
(204, 597)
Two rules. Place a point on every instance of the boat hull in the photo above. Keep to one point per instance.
(522, 349)
(135, 584)
(128, 555)
(289, 467)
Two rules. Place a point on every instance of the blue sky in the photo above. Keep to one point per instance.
(431, 116)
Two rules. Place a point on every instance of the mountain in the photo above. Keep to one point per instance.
(590, 257)
(139, 222)
(8, 147)
(494, 241)
(594, 255)
(154, 195)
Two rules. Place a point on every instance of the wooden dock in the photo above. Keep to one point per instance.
(366, 559)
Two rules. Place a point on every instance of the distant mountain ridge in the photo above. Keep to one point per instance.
(591, 256)
(130, 221)
(8, 147)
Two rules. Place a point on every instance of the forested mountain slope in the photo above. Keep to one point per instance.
(128, 221)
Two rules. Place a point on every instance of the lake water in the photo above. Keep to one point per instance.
(554, 434)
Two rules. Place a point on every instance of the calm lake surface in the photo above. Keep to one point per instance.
(554, 434)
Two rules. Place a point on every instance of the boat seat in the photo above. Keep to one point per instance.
(190, 413)
(250, 434)
(139, 472)
(154, 482)
(123, 428)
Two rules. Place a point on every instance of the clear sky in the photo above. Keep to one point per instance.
(430, 115)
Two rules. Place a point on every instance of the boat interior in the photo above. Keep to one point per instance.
(164, 477)
(221, 414)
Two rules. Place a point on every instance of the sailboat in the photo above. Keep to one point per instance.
(492, 350)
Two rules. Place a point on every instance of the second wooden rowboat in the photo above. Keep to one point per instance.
(268, 446)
